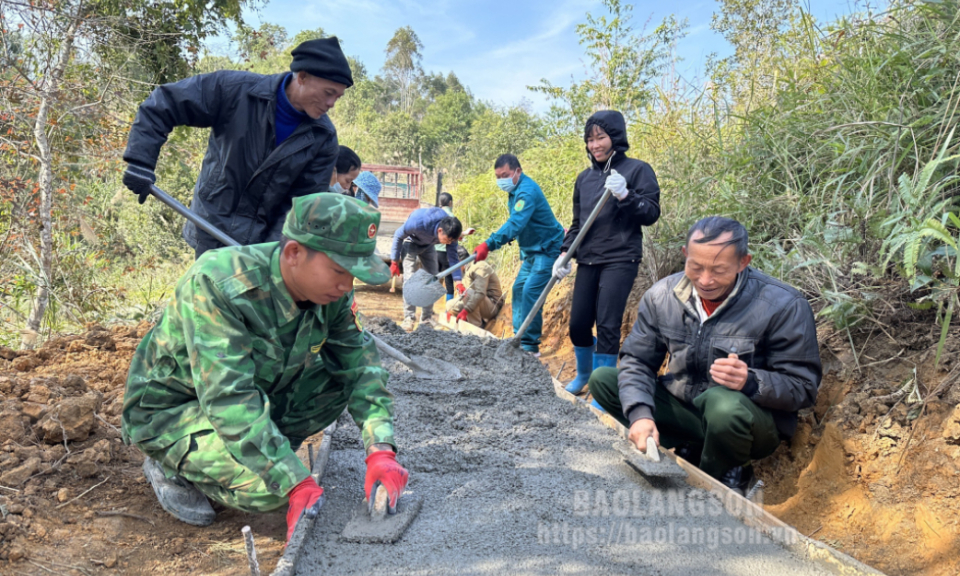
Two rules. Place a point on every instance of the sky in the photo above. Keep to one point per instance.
(499, 48)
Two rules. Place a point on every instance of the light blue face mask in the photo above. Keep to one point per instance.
(506, 184)
(336, 188)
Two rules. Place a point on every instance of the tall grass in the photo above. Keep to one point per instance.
(845, 144)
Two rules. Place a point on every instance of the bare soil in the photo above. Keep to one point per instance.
(871, 470)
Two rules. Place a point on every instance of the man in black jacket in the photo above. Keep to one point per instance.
(271, 141)
(743, 352)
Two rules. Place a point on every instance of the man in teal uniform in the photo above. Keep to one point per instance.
(261, 348)
(539, 235)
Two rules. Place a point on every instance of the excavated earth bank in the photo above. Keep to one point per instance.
(517, 481)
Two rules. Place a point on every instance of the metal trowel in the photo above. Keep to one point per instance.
(376, 522)
(649, 463)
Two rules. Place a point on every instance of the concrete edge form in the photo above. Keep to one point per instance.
(287, 565)
(742, 509)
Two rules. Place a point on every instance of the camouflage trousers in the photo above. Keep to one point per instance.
(203, 459)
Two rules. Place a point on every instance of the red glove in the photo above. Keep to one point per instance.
(395, 268)
(482, 251)
(448, 316)
(462, 315)
(460, 288)
(382, 467)
(302, 497)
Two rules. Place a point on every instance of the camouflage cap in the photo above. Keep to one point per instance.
(343, 228)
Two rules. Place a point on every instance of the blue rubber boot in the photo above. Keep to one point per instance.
(449, 297)
(585, 363)
(602, 361)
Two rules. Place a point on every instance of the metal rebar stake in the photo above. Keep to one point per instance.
(251, 551)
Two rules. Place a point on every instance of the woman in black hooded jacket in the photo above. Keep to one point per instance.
(610, 254)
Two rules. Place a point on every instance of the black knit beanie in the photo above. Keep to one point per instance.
(322, 58)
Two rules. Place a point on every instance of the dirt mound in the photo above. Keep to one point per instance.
(73, 499)
(873, 468)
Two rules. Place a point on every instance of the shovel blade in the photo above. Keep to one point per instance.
(428, 368)
(422, 289)
(509, 351)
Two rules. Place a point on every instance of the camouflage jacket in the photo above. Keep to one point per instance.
(233, 351)
(480, 281)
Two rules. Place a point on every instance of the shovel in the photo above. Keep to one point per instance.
(422, 367)
(422, 289)
(427, 368)
(509, 350)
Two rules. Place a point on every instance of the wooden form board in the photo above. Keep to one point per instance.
(740, 508)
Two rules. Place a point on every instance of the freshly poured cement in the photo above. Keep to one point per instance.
(516, 481)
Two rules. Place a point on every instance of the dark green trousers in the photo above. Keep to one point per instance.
(727, 426)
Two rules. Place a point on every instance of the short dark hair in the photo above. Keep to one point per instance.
(284, 241)
(451, 226)
(446, 199)
(713, 227)
(507, 160)
(347, 160)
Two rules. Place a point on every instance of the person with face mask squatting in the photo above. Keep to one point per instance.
(539, 235)
(609, 257)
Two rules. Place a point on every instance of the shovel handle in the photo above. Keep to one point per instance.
(198, 221)
(460, 264)
(566, 258)
(390, 350)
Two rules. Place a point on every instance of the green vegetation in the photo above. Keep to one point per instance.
(834, 143)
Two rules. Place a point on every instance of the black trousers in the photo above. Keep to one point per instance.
(600, 295)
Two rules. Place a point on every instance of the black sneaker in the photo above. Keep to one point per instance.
(738, 479)
(179, 497)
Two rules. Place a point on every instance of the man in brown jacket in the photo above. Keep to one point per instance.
(482, 300)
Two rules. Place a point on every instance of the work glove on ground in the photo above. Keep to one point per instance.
(617, 185)
(382, 467)
(394, 268)
(462, 316)
(482, 252)
(139, 179)
(461, 288)
(303, 496)
(559, 271)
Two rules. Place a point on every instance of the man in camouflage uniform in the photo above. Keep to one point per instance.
(261, 348)
(483, 299)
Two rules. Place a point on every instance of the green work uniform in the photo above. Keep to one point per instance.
(235, 376)
(726, 426)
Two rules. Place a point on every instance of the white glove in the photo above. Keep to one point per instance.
(617, 185)
(561, 272)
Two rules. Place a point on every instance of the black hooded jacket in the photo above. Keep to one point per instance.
(616, 234)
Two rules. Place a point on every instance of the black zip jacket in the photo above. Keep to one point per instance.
(247, 183)
(616, 234)
(767, 323)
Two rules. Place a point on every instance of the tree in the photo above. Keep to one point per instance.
(67, 71)
(625, 67)
(403, 63)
